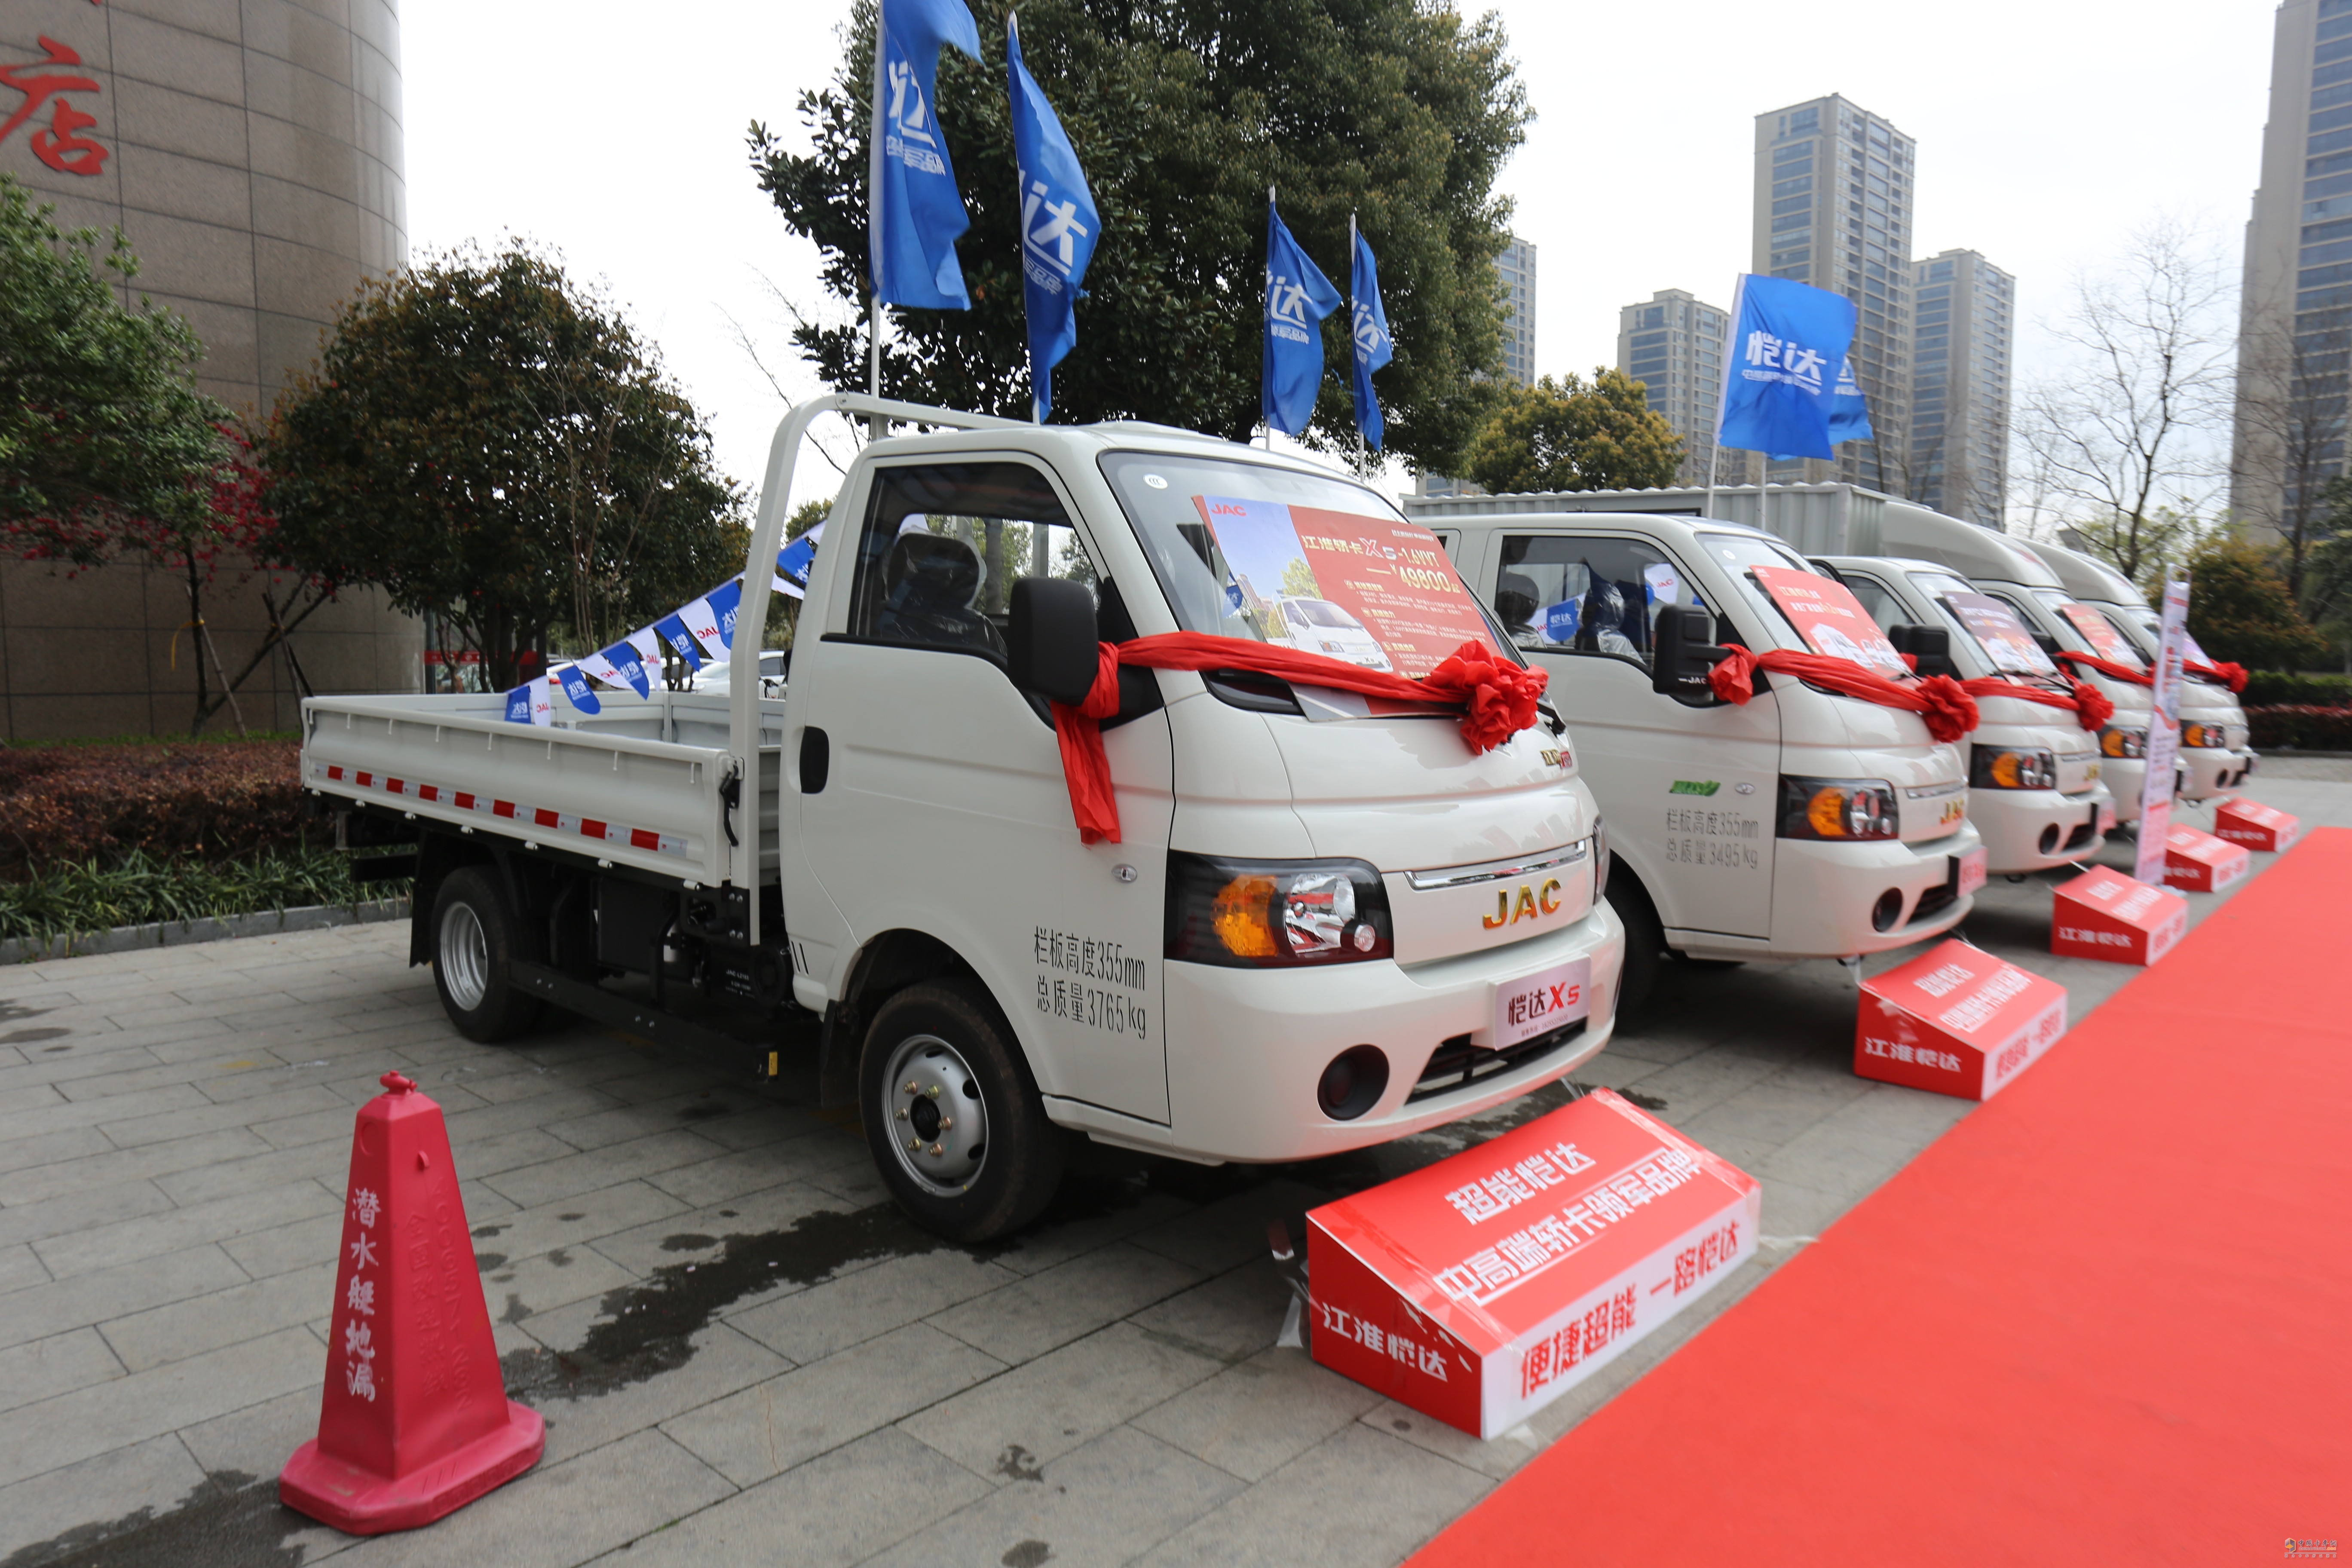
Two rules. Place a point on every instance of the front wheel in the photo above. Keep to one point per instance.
(1645, 943)
(956, 1124)
(472, 958)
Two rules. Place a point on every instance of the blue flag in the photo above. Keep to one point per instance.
(624, 660)
(519, 704)
(1788, 339)
(574, 681)
(672, 630)
(1297, 297)
(1058, 225)
(726, 602)
(1849, 410)
(916, 215)
(1374, 347)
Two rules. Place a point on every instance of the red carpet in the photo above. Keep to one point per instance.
(2107, 1319)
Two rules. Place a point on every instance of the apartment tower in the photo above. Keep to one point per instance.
(1516, 268)
(1958, 458)
(1673, 345)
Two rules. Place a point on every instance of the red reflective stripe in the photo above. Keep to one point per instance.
(364, 780)
(640, 839)
(592, 829)
(465, 801)
(502, 808)
(428, 792)
(336, 773)
(546, 818)
(394, 786)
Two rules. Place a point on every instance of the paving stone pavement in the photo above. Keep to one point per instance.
(743, 1354)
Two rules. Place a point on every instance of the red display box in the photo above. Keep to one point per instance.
(1479, 1289)
(2197, 862)
(2106, 914)
(2255, 826)
(1956, 1020)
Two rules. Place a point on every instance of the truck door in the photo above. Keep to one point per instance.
(944, 809)
(1688, 792)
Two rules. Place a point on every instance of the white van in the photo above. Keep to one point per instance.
(1319, 625)
(2033, 773)
(2004, 570)
(1325, 922)
(2216, 749)
(1801, 825)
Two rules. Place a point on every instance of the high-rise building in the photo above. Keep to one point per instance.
(1516, 268)
(1833, 197)
(1673, 344)
(2294, 330)
(1962, 308)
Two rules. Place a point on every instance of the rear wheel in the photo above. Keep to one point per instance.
(955, 1121)
(472, 958)
(1646, 942)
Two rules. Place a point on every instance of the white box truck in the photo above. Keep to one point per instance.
(2034, 771)
(2216, 746)
(1325, 922)
(1802, 824)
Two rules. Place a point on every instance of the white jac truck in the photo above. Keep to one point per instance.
(1801, 825)
(2033, 774)
(2216, 753)
(1325, 922)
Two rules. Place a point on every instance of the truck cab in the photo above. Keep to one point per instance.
(2033, 774)
(1799, 824)
(1321, 921)
(2216, 753)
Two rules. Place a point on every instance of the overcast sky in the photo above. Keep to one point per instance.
(2047, 130)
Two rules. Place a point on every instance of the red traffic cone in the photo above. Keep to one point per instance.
(415, 1422)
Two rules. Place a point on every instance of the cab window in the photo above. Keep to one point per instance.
(1876, 599)
(1584, 594)
(941, 547)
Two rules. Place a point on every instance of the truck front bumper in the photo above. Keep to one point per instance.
(2029, 830)
(2207, 771)
(1823, 894)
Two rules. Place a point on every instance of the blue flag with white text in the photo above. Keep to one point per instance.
(1058, 225)
(1297, 298)
(1788, 342)
(1849, 410)
(1369, 325)
(916, 215)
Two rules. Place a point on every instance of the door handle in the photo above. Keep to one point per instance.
(816, 760)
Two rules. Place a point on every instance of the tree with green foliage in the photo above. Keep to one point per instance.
(2240, 609)
(1182, 114)
(490, 442)
(1564, 435)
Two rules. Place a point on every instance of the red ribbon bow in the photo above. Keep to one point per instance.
(2091, 707)
(2228, 673)
(1944, 703)
(1497, 696)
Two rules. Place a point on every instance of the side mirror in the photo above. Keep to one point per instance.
(1050, 642)
(1932, 645)
(1681, 654)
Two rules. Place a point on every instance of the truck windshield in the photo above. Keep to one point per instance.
(1294, 560)
(1985, 621)
(1738, 554)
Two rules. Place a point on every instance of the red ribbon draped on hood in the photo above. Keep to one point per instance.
(1497, 696)
(2108, 667)
(1946, 706)
(2091, 706)
(2230, 674)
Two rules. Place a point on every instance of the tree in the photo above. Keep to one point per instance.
(491, 444)
(2290, 422)
(1566, 435)
(1184, 113)
(2167, 536)
(2240, 609)
(2121, 426)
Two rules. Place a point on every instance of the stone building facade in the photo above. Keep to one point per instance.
(251, 150)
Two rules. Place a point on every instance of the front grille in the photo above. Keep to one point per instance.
(2082, 831)
(1457, 1064)
(1936, 899)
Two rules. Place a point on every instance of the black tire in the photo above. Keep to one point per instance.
(1646, 945)
(472, 958)
(939, 1066)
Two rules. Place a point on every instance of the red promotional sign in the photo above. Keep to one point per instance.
(1377, 592)
(2105, 914)
(2004, 638)
(1480, 1289)
(1831, 619)
(2201, 863)
(1956, 1020)
(2255, 826)
(2101, 633)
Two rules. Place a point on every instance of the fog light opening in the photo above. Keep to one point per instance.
(2050, 840)
(1885, 913)
(1353, 1083)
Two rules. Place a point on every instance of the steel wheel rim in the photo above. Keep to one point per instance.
(934, 1115)
(464, 957)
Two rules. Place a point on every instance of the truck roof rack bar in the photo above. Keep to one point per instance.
(758, 571)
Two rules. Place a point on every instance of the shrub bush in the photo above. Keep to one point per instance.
(2305, 727)
(208, 803)
(2271, 688)
(67, 898)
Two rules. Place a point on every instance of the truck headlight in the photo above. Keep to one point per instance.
(1274, 914)
(2117, 741)
(2213, 737)
(1837, 809)
(2001, 767)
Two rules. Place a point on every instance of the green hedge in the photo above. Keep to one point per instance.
(2272, 688)
(69, 897)
(211, 801)
(2305, 727)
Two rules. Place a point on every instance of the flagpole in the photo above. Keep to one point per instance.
(1723, 396)
(1360, 461)
(875, 425)
(1261, 329)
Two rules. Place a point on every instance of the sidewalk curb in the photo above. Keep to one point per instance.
(220, 928)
